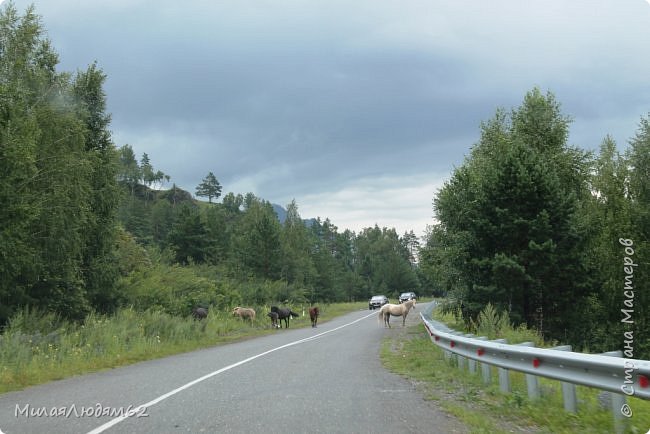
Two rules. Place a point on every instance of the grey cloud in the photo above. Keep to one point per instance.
(294, 98)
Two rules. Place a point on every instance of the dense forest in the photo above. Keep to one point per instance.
(86, 225)
(552, 234)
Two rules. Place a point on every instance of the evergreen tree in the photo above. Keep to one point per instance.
(606, 214)
(508, 215)
(297, 265)
(209, 188)
(639, 192)
(189, 237)
(99, 265)
(257, 239)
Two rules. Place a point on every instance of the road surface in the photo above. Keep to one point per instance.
(323, 380)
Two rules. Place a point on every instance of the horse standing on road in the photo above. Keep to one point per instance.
(313, 314)
(389, 310)
(284, 313)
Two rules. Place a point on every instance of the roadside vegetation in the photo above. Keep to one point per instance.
(38, 347)
(484, 408)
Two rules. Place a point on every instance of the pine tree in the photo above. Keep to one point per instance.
(209, 188)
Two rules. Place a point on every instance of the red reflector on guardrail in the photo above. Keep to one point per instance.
(452, 344)
(643, 381)
(536, 362)
(480, 351)
(437, 338)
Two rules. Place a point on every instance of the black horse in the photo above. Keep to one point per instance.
(284, 313)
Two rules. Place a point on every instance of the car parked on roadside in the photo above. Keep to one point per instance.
(377, 301)
(406, 296)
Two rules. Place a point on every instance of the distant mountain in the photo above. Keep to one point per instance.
(280, 211)
(282, 215)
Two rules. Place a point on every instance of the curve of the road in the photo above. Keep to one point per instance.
(328, 379)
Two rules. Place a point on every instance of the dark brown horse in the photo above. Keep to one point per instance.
(313, 314)
(200, 312)
(284, 313)
(274, 319)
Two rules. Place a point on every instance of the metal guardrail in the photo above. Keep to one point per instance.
(609, 371)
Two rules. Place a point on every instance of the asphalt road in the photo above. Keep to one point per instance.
(328, 379)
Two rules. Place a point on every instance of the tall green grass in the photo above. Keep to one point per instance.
(37, 347)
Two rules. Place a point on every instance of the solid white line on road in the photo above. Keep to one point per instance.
(145, 406)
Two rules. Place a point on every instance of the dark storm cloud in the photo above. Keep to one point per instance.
(347, 100)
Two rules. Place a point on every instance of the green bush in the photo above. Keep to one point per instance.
(175, 290)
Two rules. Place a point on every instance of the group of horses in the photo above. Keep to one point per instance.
(277, 314)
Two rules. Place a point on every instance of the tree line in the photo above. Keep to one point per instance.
(86, 226)
(241, 238)
(58, 188)
(547, 232)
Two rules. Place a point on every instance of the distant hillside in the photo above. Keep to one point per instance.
(280, 211)
(282, 215)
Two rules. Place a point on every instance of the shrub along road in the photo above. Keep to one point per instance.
(327, 379)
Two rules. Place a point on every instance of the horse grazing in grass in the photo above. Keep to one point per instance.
(274, 319)
(313, 314)
(200, 312)
(244, 313)
(284, 313)
(389, 310)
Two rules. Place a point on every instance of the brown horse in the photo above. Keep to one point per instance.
(389, 310)
(244, 313)
(313, 314)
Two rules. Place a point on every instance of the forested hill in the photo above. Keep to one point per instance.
(252, 241)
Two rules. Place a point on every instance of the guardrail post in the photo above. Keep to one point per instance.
(462, 359)
(568, 389)
(486, 370)
(531, 380)
(471, 362)
(617, 400)
(461, 362)
(504, 374)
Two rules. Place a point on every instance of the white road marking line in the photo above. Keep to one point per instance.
(145, 406)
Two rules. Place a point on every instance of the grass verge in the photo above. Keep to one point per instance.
(36, 348)
(484, 409)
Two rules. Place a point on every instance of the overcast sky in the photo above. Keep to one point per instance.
(357, 109)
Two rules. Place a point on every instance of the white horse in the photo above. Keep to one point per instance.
(389, 310)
